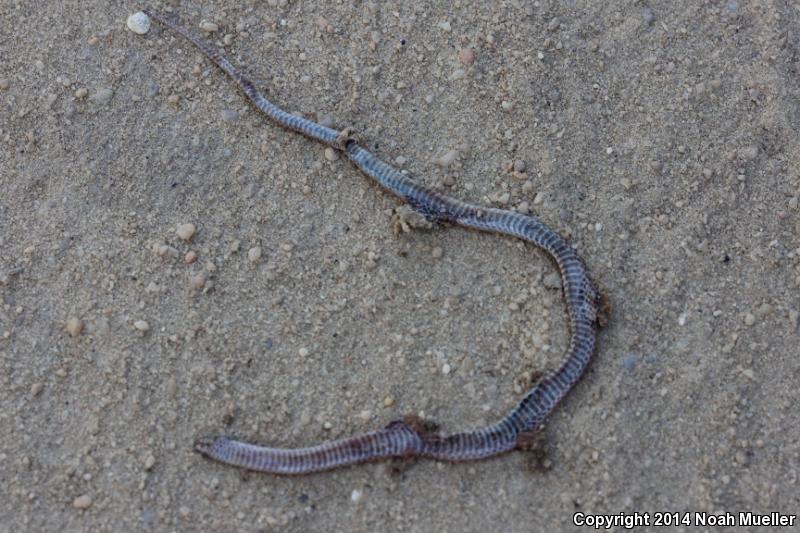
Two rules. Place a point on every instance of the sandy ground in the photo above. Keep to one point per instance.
(662, 136)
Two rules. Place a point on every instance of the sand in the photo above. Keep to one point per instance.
(661, 137)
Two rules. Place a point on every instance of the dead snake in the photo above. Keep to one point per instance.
(411, 436)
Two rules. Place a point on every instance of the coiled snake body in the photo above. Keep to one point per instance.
(409, 437)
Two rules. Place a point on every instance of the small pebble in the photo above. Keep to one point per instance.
(36, 389)
(141, 325)
(198, 281)
(149, 462)
(4, 84)
(519, 165)
(102, 96)
(254, 254)
(466, 56)
(388, 401)
(81, 93)
(185, 231)
(629, 362)
(355, 496)
(229, 115)
(437, 252)
(748, 152)
(749, 319)
(208, 26)
(330, 154)
(82, 502)
(139, 23)
(74, 326)
(190, 257)
(648, 16)
(446, 369)
(446, 160)
(303, 352)
(552, 281)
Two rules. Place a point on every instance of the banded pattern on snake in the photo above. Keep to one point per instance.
(411, 437)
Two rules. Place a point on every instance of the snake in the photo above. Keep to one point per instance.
(411, 436)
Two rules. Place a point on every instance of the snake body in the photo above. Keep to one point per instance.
(411, 436)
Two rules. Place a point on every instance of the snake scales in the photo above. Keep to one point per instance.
(411, 436)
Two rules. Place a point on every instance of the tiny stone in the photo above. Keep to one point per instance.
(648, 16)
(519, 165)
(330, 154)
(229, 115)
(552, 281)
(388, 401)
(355, 496)
(36, 389)
(764, 309)
(749, 319)
(141, 325)
(436, 253)
(327, 425)
(749, 152)
(102, 96)
(139, 23)
(254, 254)
(446, 369)
(190, 257)
(82, 502)
(208, 26)
(185, 231)
(81, 93)
(149, 462)
(466, 56)
(446, 160)
(74, 326)
(198, 281)
(4, 84)
(303, 352)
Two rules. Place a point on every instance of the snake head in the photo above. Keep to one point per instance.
(209, 445)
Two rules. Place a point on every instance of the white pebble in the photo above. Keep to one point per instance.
(303, 352)
(254, 254)
(355, 496)
(446, 160)
(74, 326)
(149, 462)
(208, 26)
(139, 23)
(446, 368)
(102, 95)
(185, 231)
(82, 502)
(141, 325)
(330, 154)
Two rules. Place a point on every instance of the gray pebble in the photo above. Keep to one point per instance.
(229, 115)
(629, 362)
(648, 16)
(102, 96)
(552, 281)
